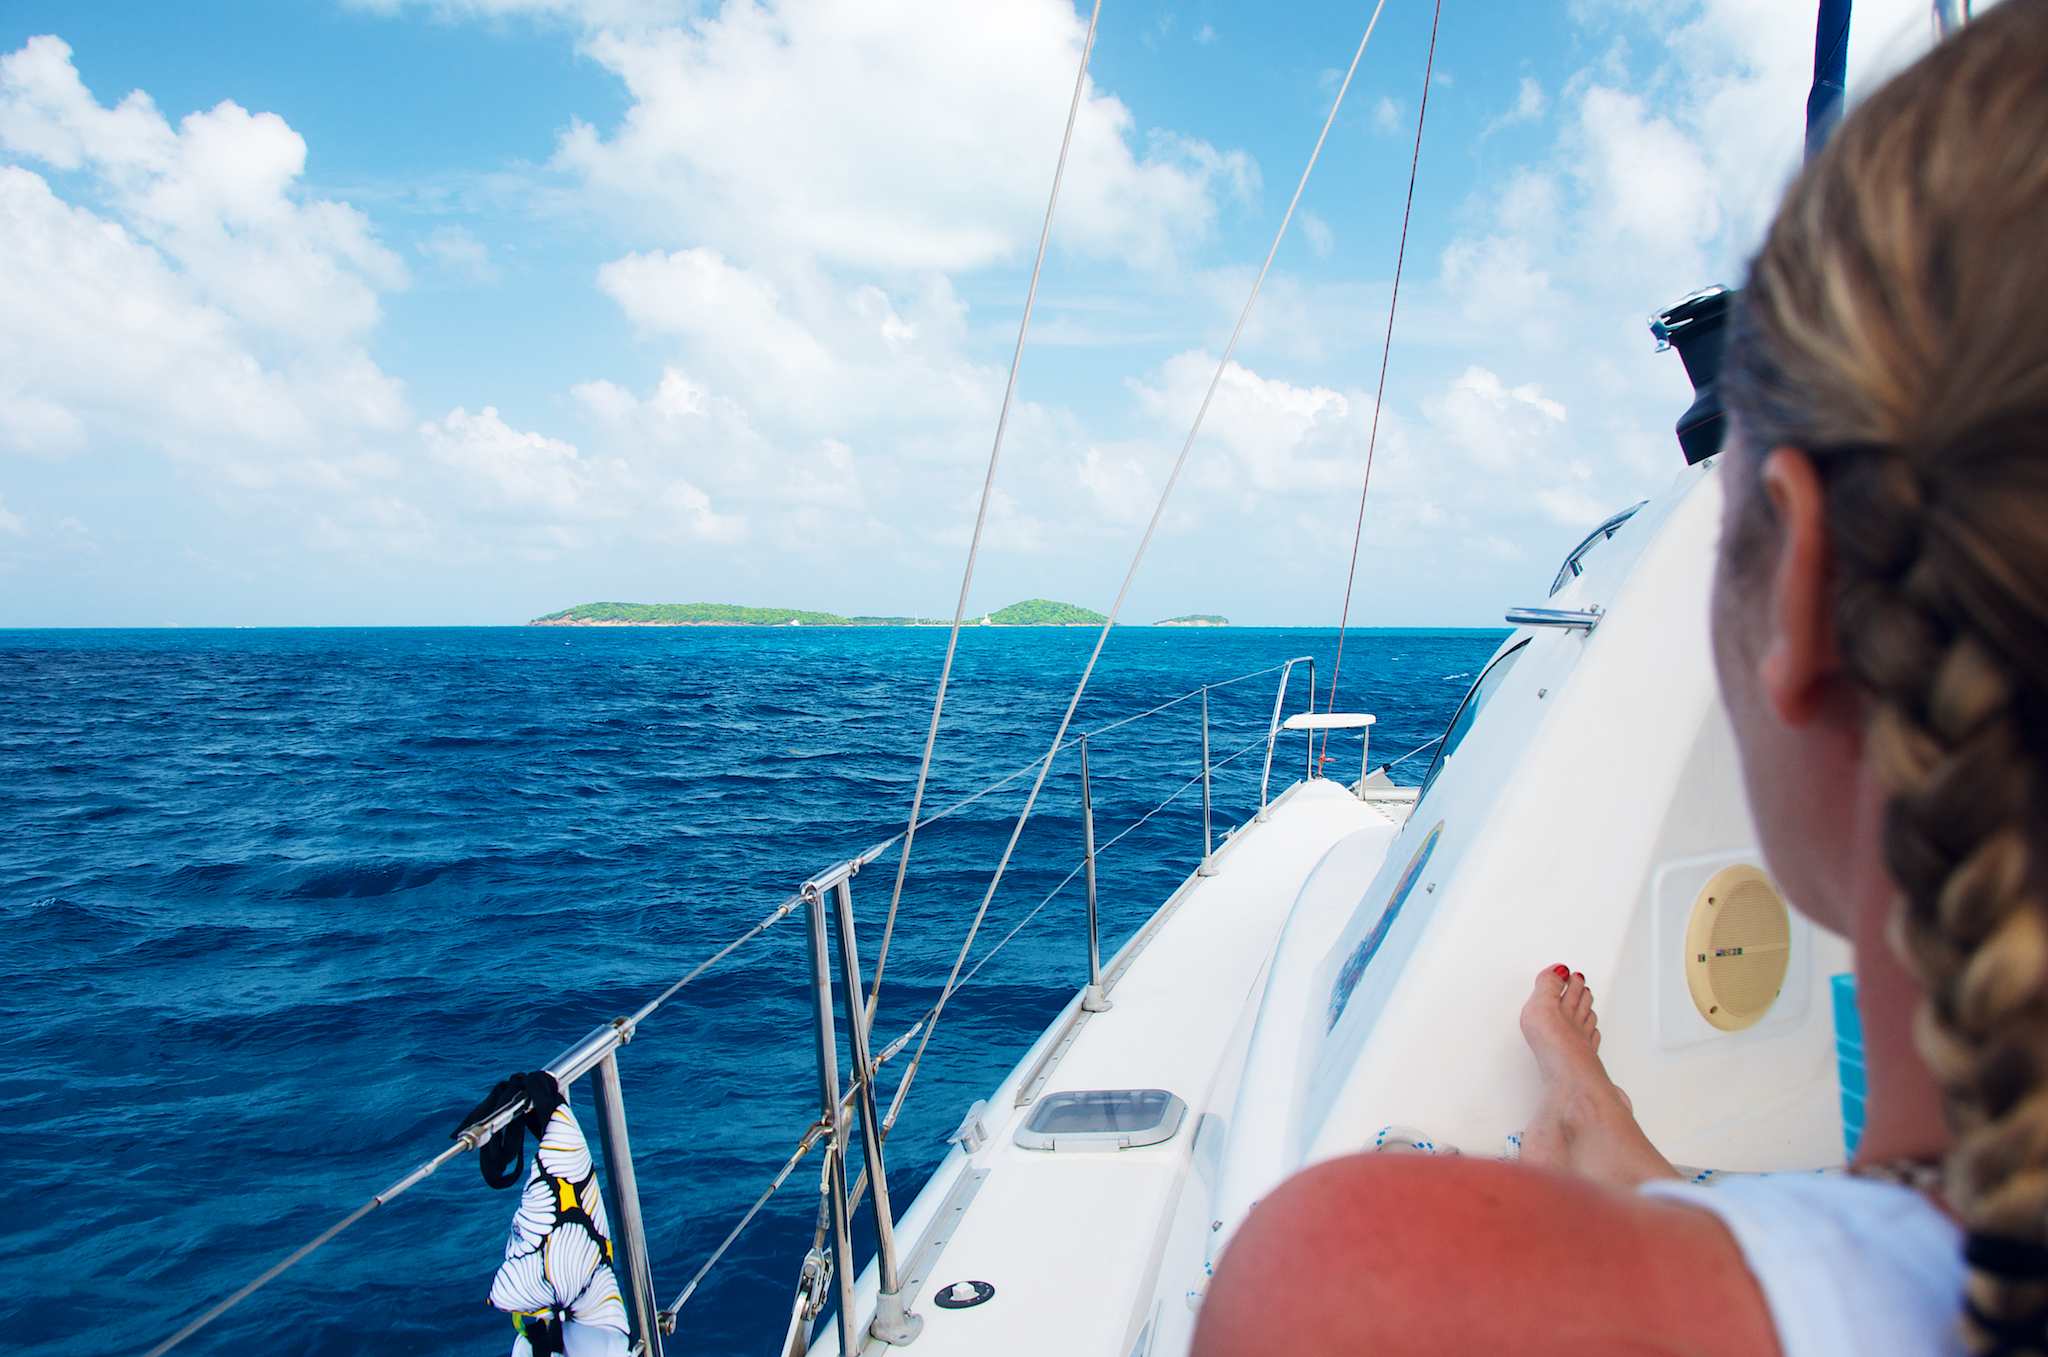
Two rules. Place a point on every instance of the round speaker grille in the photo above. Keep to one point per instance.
(1738, 948)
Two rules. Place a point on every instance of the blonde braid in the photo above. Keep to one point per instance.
(1894, 327)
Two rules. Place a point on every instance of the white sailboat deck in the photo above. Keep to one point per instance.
(1072, 1241)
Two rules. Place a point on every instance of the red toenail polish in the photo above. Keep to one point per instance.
(1562, 971)
(1578, 975)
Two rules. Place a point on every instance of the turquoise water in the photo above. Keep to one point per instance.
(282, 905)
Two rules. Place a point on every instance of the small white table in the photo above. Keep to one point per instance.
(1338, 720)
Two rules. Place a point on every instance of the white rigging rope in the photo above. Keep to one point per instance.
(290, 1260)
(631, 1024)
(1137, 558)
(995, 454)
(1379, 397)
(1043, 764)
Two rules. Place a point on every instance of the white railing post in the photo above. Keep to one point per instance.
(1310, 735)
(841, 1234)
(1208, 864)
(1092, 999)
(893, 1322)
(1273, 728)
(618, 1163)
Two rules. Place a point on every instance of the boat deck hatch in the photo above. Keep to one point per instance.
(1102, 1119)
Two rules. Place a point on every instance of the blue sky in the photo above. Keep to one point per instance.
(460, 311)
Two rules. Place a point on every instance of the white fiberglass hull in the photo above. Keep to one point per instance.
(1357, 965)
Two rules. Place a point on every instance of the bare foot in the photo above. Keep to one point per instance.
(1585, 1124)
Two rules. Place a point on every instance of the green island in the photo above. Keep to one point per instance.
(1032, 612)
(1045, 612)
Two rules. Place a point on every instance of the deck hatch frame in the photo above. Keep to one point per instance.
(1098, 1119)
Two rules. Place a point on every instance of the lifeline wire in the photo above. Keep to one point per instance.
(1227, 759)
(762, 925)
(1379, 398)
(1426, 744)
(815, 1132)
(276, 1269)
(1145, 542)
(462, 1145)
(988, 484)
(874, 852)
(1176, 701)
(1064, 882)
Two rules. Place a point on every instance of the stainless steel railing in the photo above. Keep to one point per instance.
(830, 1265)
(1273, 729)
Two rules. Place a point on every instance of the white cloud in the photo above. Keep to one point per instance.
(809, 352)
(213, 312)
(1489, 465)
(887, 136)
(685, 428)
(1298, 318)
(1206, 34)
(1668, 149)
(33, 423)
(582, 13)
(10, 522)
(1318, 234)
(805, 193)
(1573, 506)
(548, 483)
(1117, 479)
(687, 510)
(1498, 428)
(1530, 104)
(214, 194)
(1648, 190)
(460, 254)
(211, 309)
(96, 329)
(1009, 527)
(698, 296)
(1486, 451)
(519, 469)
(1275, 436)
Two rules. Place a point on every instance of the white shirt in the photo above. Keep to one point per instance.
(1846, 1265)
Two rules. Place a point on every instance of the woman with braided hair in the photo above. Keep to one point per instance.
(1880, 626)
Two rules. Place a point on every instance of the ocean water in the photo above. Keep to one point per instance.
(280, 906)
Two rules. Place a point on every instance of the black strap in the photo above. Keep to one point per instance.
(503, 1156)
(2023, 1260)
(2011, 1337)
(543, 1335)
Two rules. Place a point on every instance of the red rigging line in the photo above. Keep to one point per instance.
(1379, 396)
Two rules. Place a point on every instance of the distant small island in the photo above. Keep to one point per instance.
(1032, 612)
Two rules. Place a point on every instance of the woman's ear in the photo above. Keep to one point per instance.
(1798, 663)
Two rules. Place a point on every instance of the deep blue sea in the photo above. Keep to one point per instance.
(280, 906)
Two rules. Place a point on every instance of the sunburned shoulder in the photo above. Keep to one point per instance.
(1400, 1255)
